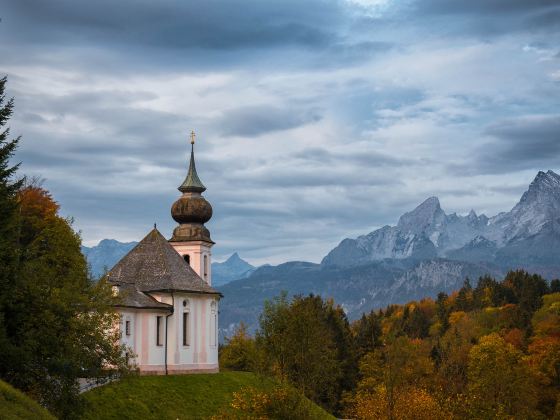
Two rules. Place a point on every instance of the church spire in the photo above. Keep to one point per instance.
(192, 182)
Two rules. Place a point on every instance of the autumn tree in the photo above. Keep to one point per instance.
(59, 323)
(544, 351)
(453, 351)
(500, 383)
(402, 366)
(239, 351)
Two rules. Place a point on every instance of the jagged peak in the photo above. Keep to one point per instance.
(472, 214)
(549, 178)
(545, 184)
(430, 202)
(422, 215)
(234, 257)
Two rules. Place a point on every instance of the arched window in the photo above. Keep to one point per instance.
(187, 258)
(206, 267)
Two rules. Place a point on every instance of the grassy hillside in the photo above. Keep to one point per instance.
(16, 405)
(172, 397)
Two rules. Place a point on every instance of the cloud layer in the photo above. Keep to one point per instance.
(317, 120)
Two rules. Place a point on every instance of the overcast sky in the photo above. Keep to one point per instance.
(317, 120)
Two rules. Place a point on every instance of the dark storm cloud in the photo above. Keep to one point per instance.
(484, 6)
(212, 24)
(516, 144)
(492, 17)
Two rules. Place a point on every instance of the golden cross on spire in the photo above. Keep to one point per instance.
(192, 137)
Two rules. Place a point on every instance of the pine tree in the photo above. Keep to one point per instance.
(442, 312)
(9, 187)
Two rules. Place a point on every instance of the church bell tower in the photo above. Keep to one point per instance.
(191, 239)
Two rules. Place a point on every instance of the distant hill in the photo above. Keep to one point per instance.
(109, 251)
(428, 251)
(15, 405)
(173, 397)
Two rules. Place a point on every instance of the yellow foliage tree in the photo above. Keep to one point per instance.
(500, 381)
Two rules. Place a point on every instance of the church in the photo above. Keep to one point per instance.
(168, 308)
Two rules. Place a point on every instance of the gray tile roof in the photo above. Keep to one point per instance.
(153, 265)
(131, 297)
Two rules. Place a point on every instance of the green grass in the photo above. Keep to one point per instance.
(16, 405)
(173, 397)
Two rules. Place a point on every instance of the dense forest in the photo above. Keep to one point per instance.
(485, 352)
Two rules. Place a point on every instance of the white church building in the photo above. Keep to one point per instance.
(168, 308)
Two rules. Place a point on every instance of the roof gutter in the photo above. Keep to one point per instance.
(194, 292)
(166, 322)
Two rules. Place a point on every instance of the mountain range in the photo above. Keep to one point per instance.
(426, 252)
(108, 252)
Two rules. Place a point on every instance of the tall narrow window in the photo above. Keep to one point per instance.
(127, 327)
(159, 330)
(187, 258)
(186, 340)
(213, 324)
(206, 267)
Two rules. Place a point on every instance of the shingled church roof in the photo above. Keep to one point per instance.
(131, 297)
(154, 266)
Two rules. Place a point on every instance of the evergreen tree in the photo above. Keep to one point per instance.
(9, 187)
(367, 333)
(463, 302)
(442, 312)
(417, 324)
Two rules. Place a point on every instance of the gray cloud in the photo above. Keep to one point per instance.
(499, 7)
(517, 143)
(259, 119)
(213, 24)
(488, 18)
(318, 120)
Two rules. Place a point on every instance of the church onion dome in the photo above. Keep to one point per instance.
(191, 210)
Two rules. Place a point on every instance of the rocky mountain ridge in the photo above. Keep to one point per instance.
(426, 252)
(428, 232)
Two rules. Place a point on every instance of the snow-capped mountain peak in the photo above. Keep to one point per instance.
(428, 230)
(425, 218)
